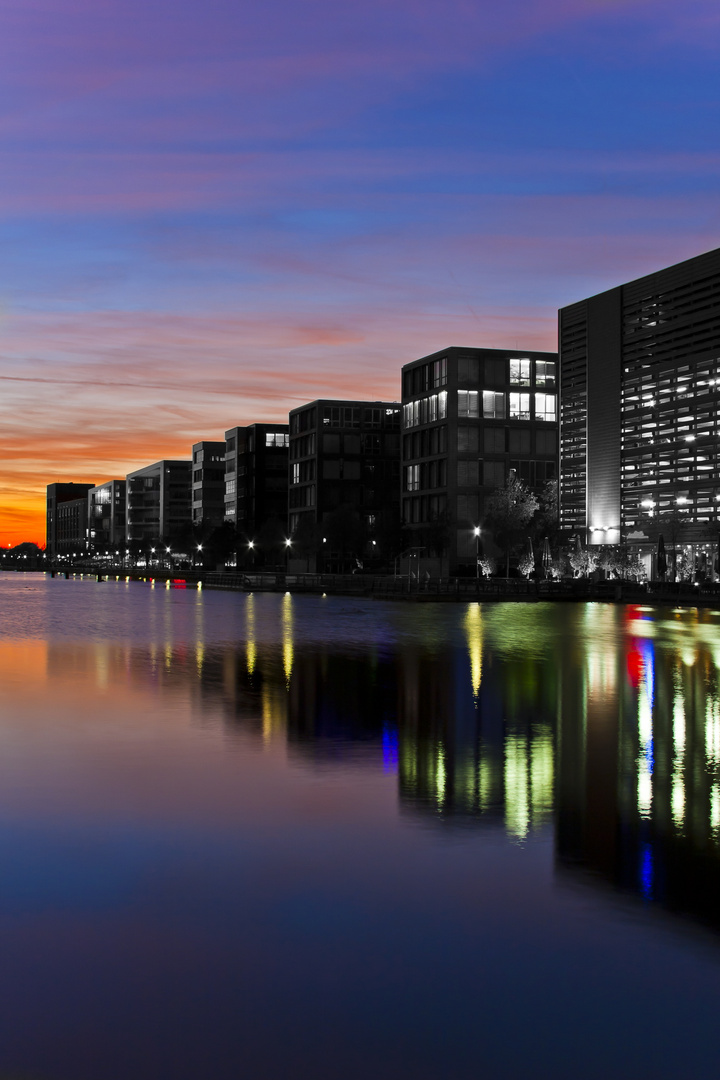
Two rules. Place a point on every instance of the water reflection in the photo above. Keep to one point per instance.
(597, 722)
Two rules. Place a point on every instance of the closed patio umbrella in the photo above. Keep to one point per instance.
(546, 556)
(661, 558)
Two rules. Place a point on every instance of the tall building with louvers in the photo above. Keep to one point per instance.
(470, 416)
(639, 402)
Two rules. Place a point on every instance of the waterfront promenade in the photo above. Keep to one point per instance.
(447, 590)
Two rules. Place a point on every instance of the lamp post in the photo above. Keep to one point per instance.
(199, 547)
(476, 532)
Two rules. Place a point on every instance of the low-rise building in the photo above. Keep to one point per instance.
(66, 525)
(106, 516)
(158, 503)
(256, 484)
(208, 484)
(344, 480)
(470, 416)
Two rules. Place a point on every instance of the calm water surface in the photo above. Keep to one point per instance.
(270, 837)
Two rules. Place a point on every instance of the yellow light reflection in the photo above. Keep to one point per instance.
(677, 796)
(542, 776)
(274, 713)
(715, 809)
(712, 733)
(287, 632)
(517, 803)
(474, 635)
(440, 775)
(250, 647)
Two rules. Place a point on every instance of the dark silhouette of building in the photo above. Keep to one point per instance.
(639, 400)
(159, 503)
(256, 482)
(469, 417)
(208, 483)
(66, 518)
(106, 516)
(344, 479)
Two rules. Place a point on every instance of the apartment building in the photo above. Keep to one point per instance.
(469, 416)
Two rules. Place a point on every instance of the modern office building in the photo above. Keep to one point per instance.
(344, 459)
(639, 404)
(66, 533)
(208, 484)
(106, 516)
(469, 417)
(158, 503)
(256, 484)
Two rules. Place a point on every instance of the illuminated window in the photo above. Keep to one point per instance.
(544, 406)
(493, 405)
(468, 402)
(412, 478)
(545, 373)
(520, 372)
(520, 406)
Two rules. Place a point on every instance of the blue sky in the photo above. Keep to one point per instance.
(210, 212)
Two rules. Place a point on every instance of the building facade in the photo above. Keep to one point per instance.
(66, 533)
(158, 503)
(344, 463)
(106, 516)
(208, 484)
(256, 484)
(639, 403)
(469, 417)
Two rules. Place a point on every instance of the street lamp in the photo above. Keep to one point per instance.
(476, 532)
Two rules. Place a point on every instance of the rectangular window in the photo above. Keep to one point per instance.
(468, 369)
(493, 474)
(468, 402)
(467, 440)
(519, 442)
(467, 473)
(296, 474)
(520, 406)
(276, 438)
(412, 478)
(520, 372)
(440, 372)
(544, 372)
(467, 508)
(230, 487)
(545, 407)
(494, 440)
(495, 372)
(493, 405)
(546, 442)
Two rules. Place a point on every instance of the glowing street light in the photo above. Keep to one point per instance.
(476, 533)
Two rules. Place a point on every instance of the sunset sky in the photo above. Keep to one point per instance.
(214, 210)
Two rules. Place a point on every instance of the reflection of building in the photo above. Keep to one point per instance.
(106, 516)
(208, 483)
(469, 417)
(640, 391)
(256, 483)
(66, 518)
(639, 764)
(158, 502)
(344, 468)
